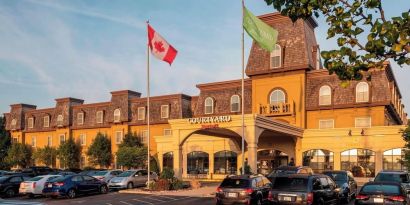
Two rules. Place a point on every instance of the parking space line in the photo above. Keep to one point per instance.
(125, 203)
(109, 204)
(143, 201)
(166, 197)
(150, 197)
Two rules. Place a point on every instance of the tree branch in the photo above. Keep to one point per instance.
(381, 12)
(350, 6)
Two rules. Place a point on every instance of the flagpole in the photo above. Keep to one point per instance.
(243, 93)
(148, 120)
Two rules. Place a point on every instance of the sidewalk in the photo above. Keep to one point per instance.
(208, 190)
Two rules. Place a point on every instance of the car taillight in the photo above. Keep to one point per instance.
(270, 196)
(249, 191)
(59, 183)
(309, 198)
(219, 190)
(361, 197)
(33, 185)
(397, 198)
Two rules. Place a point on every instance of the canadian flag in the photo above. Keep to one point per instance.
(160, 48)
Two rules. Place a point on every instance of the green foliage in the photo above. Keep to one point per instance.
(406, 137)
(69, 154)
(99, 152)
(167, 173)
(131, 140)
(160, 185)
(176, 184)
(46, 155)
(132, 157)
(350, 21)
(19, 155)
(5, 143)
(154, 167)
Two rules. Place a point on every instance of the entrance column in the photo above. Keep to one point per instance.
(177, 151)
(252, 156)
(337, 160)
(378, 161)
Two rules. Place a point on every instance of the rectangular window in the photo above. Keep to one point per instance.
(50, 141)
(164, 111)
(363, 122)
(100, 116)
(46, 121)
(30, 122)
(15, 140)
(118, 137)
(80, 118)
(167, 132)
(62, 138)
(33, 141)
(144, 136)
(83, 139)
(141, 113)
(326, 124)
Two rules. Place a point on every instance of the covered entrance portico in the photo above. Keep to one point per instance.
(210, 147)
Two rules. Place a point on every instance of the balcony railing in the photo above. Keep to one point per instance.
(277, 109)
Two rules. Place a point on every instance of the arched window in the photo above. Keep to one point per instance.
(276, 57)
(225, 162)
(198, 162)
(318, 159)
(392, 159)
(13, 122)
(325, 95)
(277, 96)
(60, 120)
(362, 92)
(168, 160)
(209, 105)
(360, 162)
(235, 103)
(117, 115)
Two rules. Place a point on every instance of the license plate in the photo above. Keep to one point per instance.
(49, 185)
(287, 198)
(232, 195)
(378, 200)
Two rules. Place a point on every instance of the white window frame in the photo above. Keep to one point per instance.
(100, 116)
(13, 122)
(232, 103)
(362, 118)
(46, 119)
(323, 96)
(327, 120)
(61, 136)
(167, 132)
(80, 118)
(276, 52)
(50, 141)
(209, 102)
(141, 113)
(117, 115)
(119, 141)
(30, 122)
(362, 94)
(83, 139)
(144, 136)
(277, 101)
(164, 111)
(33, 141)
(60, 120)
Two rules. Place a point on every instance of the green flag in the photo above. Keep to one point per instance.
(262, 33)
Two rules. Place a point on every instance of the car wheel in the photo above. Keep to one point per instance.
(10, 193)
(103, 189)
(71, 194)
(130, 185)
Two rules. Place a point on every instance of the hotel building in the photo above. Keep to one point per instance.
(293, 109)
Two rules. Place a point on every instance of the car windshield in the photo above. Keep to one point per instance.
(59, 179)
(34, 179)
(381, 189)
(100, 173)
(52, 178)
(337, 176)
(391, 177)
(290, 184)
(126, 174)
(235, 183)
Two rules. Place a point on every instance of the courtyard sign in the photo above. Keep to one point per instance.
(215, 119)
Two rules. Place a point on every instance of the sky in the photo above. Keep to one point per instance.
(87, 48)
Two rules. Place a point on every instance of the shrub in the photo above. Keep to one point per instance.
(176, 184)
(161, 185)
(167, 173)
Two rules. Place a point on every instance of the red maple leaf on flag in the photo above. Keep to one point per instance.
(159, 46)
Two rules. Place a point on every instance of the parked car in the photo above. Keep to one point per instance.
(394, 176)
(9, 185)
(36, 171)
(304, 189)
(90, 172)
(34, 186)
(382, 193)
(130, 179)
(106, 175)
(288, 170)
(347, 183)
(243, 189)
(72, 185)
(3, 173)
(74, 170)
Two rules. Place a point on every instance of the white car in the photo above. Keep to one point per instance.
(106, 175)
(34, 186)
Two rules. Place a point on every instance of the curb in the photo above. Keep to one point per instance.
(165, 193)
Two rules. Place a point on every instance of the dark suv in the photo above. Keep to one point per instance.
(395, 176)
(287, 170)
(345, 180)
(243, 189)
(304, 189)
(36, 171)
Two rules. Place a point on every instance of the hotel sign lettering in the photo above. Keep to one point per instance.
(215, 119)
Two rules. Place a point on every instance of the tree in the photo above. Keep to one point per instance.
(5, 143)
(19, 155)
(406, 137)
(69, 154)
(132, 157)
(131, 140)
(99, 152)
(46, 155)
(365, 36)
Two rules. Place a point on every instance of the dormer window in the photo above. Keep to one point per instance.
(100, 116)
(30, 122)
(235, 103)
(80, 118)
(13, 122)
(46, 121)
(325, 95)
(276, 57)
(209, 105)
(362, 92)
(164, 111)
(141, 113)
(117, 115)
(60, 120)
